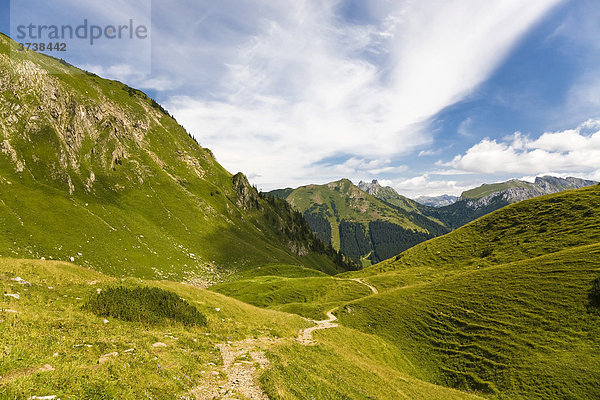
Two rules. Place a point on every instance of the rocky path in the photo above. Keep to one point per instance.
(305, 335)
(242, 363)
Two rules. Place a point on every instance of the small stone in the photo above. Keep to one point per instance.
(107, 357)
(106, 321)
(13, 295)
(72, 259)
(159, 344)
(46, 368)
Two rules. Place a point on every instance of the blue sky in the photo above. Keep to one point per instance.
(427, 96)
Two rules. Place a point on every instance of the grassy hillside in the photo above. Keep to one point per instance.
(54, 346)
(360, 225)
(96, 172)
(517, 232)
(521, 330)
(502, 305)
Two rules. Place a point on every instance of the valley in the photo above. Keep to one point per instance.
(133, 265)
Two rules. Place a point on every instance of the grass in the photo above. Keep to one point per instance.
(521, 231)
(348, 365)
(281, 270)
(310, 297)
(50, 327)
(520, 330)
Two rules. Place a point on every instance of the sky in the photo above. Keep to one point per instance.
(430, 97)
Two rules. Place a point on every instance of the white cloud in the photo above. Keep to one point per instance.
(464, 129)
(301, 84)
(426, 185)
(574, 151)
(424, 153)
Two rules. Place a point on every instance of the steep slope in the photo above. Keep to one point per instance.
(362, 226)
(96, 172)
(502, 306)
(389, 195)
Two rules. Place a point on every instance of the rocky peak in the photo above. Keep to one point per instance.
(247, 196)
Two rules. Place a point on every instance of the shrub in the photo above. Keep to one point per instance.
(144, 304)
(594, 295)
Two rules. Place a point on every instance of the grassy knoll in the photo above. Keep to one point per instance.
(521, 231)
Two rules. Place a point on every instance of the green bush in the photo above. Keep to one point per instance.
(594, 295)
(144, 304)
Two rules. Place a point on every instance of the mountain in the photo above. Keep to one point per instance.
(96, 172)
(516, 190)
(362, 226)
(480, 201)
(436, 201)
(389, 195)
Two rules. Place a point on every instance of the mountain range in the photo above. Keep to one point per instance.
(371, 222)
(367, 226)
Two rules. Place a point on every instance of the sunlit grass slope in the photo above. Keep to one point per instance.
(307, 296)
(521, 330)
(53, 346)
(50, 327)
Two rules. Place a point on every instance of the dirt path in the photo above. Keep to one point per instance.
(367, 284)
(243, 361)
(305, 335)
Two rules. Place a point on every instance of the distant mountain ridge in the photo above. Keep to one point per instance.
(437, 201)
(362, 226)
(516, 190)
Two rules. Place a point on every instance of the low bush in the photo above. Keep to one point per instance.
(144, 304)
